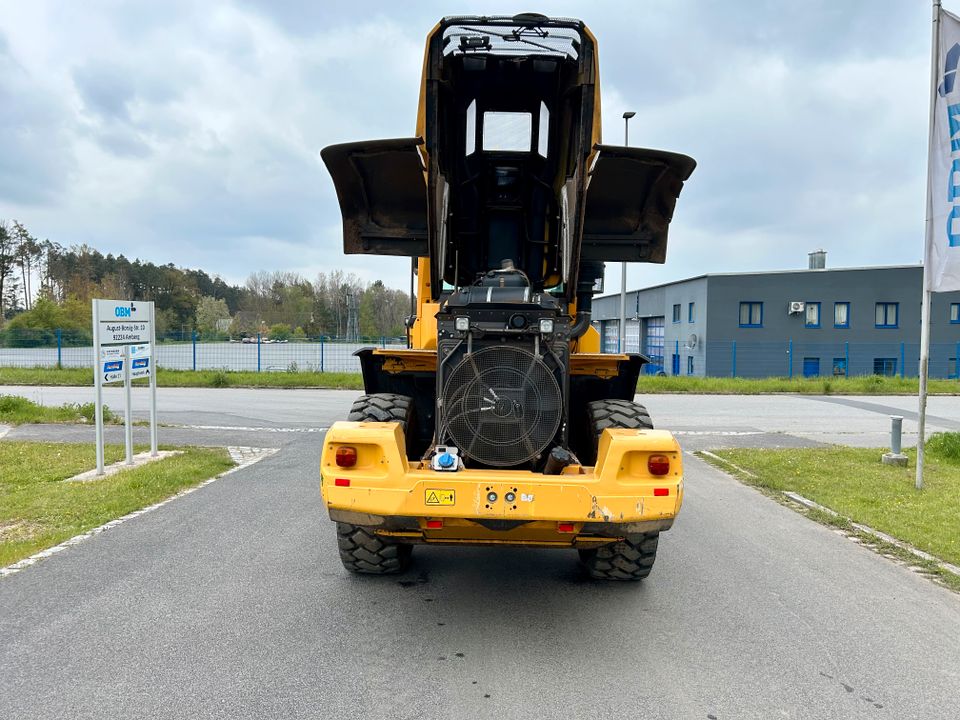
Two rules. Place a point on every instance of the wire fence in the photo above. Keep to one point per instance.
(808, 359)
(189, 351)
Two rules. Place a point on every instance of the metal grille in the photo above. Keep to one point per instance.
(502, 406)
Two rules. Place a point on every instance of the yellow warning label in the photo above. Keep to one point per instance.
(440, 497)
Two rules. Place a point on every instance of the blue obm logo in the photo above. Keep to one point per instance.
(947, 86)
(124, 312)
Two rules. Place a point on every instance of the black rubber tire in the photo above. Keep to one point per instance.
(603, 414)
(385, 407)
(362, 551)
(624, 560)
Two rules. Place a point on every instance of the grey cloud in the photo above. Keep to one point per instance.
(105, 89)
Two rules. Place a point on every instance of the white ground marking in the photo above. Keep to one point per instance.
(242, 428)
(243, 456)
(725, 433)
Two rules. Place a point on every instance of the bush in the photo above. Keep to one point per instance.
(280, 331)
(945, 445)
(220, 379)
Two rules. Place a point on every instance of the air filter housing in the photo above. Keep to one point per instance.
(502, 382)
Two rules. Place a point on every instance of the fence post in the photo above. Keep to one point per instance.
(59, 348)
(790, 357)
(734, 358)
(846, 359)
(956, 364)
(258, 352)
(321, 353)
(193, 338)
(903, 357)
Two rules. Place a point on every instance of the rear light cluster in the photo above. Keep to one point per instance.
(346, 456)
(658, 464)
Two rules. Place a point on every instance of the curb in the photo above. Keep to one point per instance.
(865, 529)
(243, 456)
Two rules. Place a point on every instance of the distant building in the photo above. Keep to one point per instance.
(814, 322)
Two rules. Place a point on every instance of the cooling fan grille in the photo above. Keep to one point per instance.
(502, 406)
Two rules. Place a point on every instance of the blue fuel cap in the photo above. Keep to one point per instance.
(445, 461)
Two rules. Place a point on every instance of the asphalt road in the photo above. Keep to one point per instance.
(230, 602)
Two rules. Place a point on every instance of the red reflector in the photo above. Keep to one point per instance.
(342, 482)
(346, 456)
(661, 492)
(658, 464)
(564, 527)
(434, 524)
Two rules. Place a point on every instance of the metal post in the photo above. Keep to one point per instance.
(895, 456)
(98, 385)
(956, 364)
(896, 431)
(676, 354)
(790, 357)
(258, 352)
(321, 353)
(622, 335)
(902, 358)
(734, 358)
(154, 357)
(846, 359)
(193, 339)
(925, 308)
(127, 420)
(59, 348)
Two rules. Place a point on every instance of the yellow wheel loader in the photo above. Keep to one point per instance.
(502, 423)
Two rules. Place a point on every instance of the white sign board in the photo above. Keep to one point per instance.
(123, 321)
(140, 365)
(123, 337)
(111, 364)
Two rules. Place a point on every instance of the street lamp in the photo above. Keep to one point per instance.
(622, 344)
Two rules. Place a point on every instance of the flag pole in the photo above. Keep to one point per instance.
(927, 295)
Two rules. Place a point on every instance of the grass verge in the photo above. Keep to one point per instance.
(854, 483)
(38, 510)
(858, 385)
(189, 378)
(15, 410)
(647, 385)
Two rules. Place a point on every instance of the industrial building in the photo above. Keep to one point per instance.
(813, 322)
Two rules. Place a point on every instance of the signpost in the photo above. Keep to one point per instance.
(124, 336)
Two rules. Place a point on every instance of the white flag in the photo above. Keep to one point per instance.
(942, 254)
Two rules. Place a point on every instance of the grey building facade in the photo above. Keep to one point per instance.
(815, 322)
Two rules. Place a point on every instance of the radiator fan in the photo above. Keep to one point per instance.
(501, 406)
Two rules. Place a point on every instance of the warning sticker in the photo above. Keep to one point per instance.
(440, 497)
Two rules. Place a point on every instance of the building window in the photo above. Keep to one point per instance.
(840, 366)
(676, 313)
(751, 314)
(812, 315)
(885, 366)
(689, 364)
(841, 315)
(888, 314)
(674, 364)
(955, 313)
(691, 312)
(811, 367)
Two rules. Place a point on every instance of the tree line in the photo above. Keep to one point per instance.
(45, 286)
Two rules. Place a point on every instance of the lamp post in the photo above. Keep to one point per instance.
(622, 344)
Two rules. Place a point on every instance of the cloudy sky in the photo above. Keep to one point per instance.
(189, 132)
